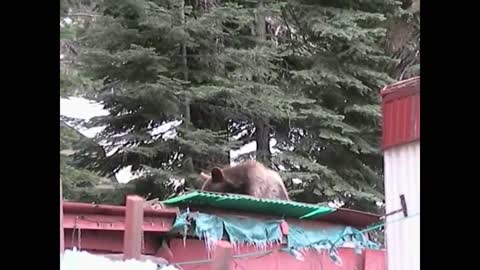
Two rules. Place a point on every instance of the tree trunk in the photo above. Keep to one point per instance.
(186, 114)
(262, 138)
(260, 22)
(262, 129)
(201, 116)
(403, 42)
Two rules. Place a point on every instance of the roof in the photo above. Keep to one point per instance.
(112, 217)
(268, 207)
(401, 89)
(401, 113)
(252, 204)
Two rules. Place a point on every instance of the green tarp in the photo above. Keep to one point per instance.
(262, 233)
(251, 204)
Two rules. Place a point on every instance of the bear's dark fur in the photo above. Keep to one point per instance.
(249, 178)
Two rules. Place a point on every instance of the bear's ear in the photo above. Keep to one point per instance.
(217, 175)
(204, 176)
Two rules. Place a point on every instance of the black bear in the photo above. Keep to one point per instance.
(248, 178)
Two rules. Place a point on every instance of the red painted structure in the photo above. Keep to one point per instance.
(100, 229)
(401, 143)
(223, 256)
(62, 240)
(278, 260)
(375, 260)
(401, 112)
(132, 238)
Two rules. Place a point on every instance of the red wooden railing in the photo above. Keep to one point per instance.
(134, 219)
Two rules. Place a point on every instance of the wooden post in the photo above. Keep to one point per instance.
(223, 256)
(62, 242)
(132, 239)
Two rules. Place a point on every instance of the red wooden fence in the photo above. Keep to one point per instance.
(136, 220)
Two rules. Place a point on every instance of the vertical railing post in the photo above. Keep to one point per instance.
(132, 241)
(223, 256)
(62, 242)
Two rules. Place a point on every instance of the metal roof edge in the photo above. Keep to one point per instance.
(224, 196)
(401, 89)
(344, 216)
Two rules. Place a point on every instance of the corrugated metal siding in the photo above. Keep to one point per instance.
(401, 113)
(252, 204)
(402, 176)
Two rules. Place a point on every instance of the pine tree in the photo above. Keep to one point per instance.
(79, 183)
(153, 67)
(337, 61)
(141, 52)
(306, 73)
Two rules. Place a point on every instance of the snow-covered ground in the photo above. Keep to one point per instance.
(82, 260)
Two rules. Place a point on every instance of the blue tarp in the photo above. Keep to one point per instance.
(263, 233)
